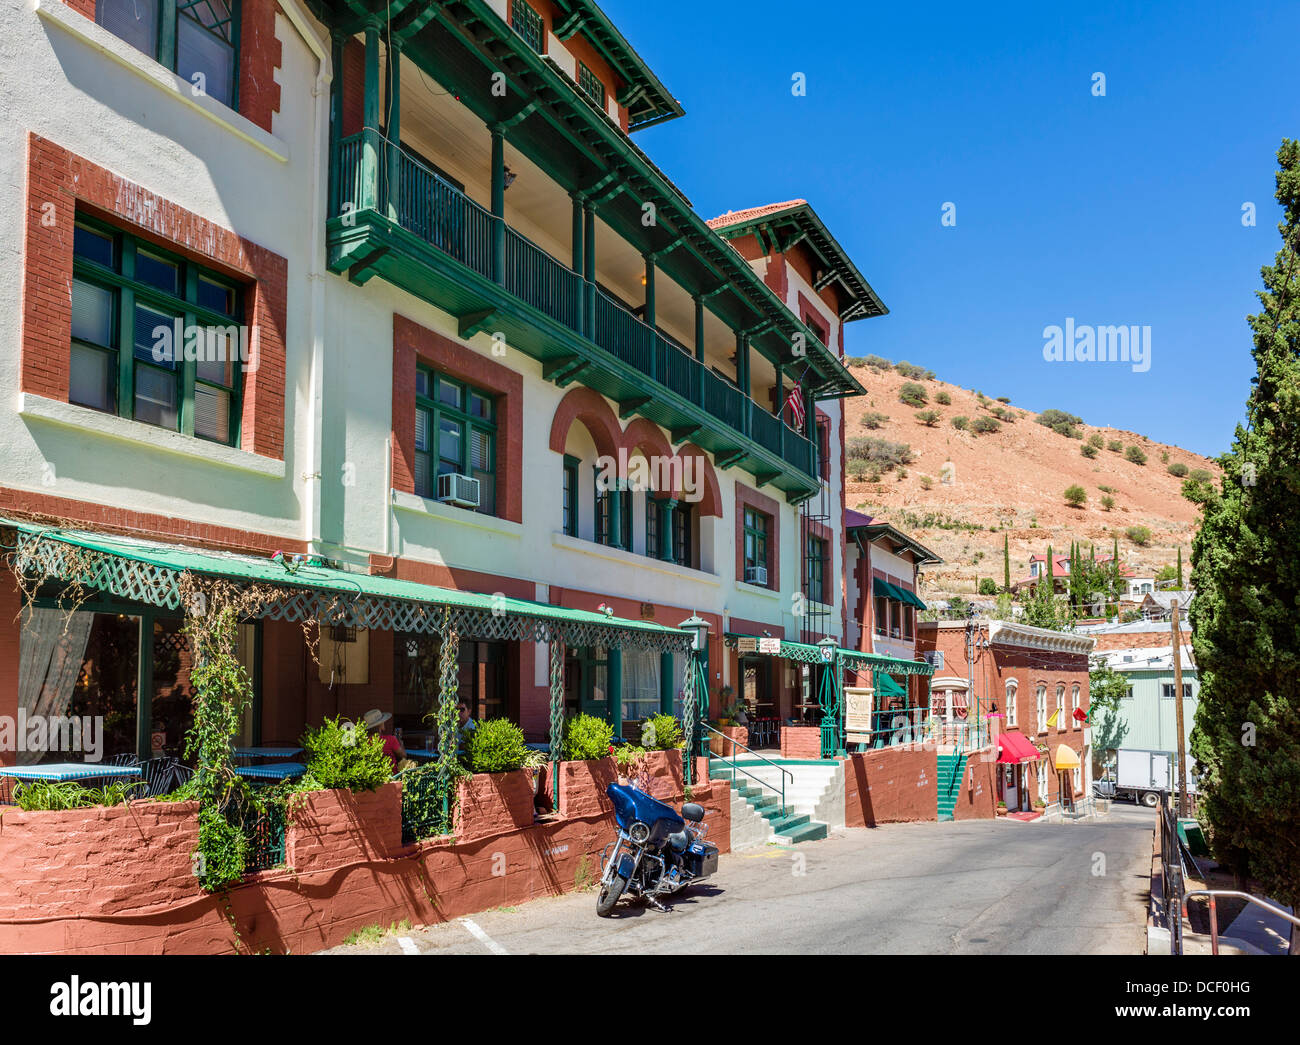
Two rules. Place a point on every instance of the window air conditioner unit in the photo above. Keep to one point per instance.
(756, 575)
(459, 490)
(934, 657)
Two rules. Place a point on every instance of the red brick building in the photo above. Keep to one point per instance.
(1035, 679)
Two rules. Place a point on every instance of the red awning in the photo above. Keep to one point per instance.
(1015, 748)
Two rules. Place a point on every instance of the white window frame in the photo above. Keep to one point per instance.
(1060, 707)
(1074, 705)
(1042, 781)
(1040, 705)
(1013, 688)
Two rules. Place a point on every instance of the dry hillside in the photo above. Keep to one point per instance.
(1011, 483)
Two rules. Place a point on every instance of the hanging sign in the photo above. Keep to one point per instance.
(767, 645)
(747, 645)
(827, 653)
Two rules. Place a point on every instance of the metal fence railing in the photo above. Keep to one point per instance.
(264, 830)
(1172, 874)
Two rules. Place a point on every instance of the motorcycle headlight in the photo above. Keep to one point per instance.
(639, 832)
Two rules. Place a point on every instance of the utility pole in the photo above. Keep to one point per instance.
(1178, 708)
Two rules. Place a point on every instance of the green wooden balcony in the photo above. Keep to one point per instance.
(432, 240)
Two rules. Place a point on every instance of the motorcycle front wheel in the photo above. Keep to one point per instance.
(609, 895)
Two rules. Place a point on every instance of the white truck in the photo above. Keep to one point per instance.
(1142, 775)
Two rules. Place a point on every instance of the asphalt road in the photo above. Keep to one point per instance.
(977, 887)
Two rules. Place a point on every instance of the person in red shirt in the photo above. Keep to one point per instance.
(374, 720)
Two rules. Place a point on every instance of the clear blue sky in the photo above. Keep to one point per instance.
(1124, 209)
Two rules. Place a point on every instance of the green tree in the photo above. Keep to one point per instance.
(1247, 579)
(1135, 454)
(1006, 563)
(1180, 569)
(1075, 496)
(988, 586)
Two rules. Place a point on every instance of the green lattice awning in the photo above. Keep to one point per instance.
(150, 572)
(806, 653)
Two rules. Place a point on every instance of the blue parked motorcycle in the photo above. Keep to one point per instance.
(657, 852)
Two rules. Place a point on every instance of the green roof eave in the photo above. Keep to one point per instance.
(866, 302)
(659, 105)
(875, 530)
(149, 571)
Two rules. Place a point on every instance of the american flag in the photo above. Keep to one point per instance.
(794, 401)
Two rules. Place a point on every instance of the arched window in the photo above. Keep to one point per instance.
(1060, 706)
(1074, 704)
(1012, 687)
(1040, 702)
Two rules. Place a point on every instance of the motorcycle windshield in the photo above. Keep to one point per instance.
(631, 804)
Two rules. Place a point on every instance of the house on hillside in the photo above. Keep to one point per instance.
(1158, 605)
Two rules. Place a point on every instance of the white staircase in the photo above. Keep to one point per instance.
(814, 799)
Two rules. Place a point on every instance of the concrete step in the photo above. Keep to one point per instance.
(809, 832)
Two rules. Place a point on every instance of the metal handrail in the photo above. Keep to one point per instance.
(736, 769)
(1214, 914)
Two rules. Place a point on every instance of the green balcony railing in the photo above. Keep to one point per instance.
(431, 208)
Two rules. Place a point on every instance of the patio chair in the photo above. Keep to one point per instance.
(181, 775)
(157, 775)
(126, 759)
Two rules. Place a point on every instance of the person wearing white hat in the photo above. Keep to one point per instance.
(374, 720)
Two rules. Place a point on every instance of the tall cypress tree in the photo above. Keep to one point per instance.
(1006, 563)
(1246, 573)
(1180, 569)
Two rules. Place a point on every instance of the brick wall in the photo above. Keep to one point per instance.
(58, 183)
(892, 785)
(801, 742)
(119, 881)
(977, 798)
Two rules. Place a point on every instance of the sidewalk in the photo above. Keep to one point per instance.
(1262, 929)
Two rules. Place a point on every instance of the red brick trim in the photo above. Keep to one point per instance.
(42, 507)
(259, 57)
(85, 7)
(588, 406)
(412, 343)
(711, 501)
(747, 498)
(58, 182)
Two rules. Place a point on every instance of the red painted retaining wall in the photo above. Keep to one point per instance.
(118, 880)
(892, 785)
(978, 795)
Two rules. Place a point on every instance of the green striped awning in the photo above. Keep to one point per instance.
(912, 598)
(150, 572)
(884, 589)
(887, 687)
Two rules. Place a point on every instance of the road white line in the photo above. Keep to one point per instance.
(482, 937)
(408, 945)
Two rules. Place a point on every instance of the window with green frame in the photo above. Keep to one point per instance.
(756, 530)
(528, 23)
(815, 581)
(590, 84)
(683, 548)
(455, 432)
(570, 495)
(127, 298)
(196, 39)
(613, 505)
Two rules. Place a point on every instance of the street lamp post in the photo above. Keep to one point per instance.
(696, 685)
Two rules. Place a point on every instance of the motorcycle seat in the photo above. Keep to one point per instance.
(693, 812)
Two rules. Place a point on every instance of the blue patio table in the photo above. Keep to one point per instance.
(62, 771)
(272, 771)
(545, 749)
(421, 756)
(267, 752)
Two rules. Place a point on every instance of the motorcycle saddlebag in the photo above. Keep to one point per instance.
(701, 859)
